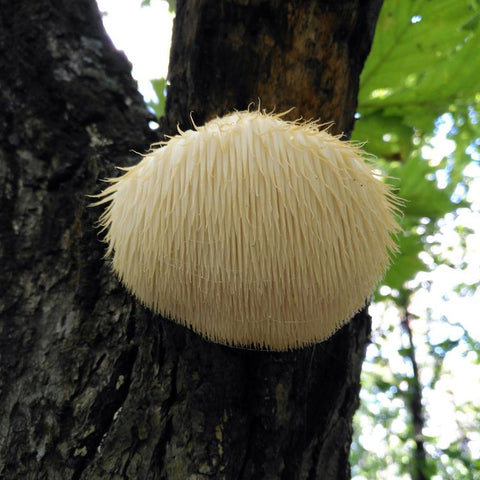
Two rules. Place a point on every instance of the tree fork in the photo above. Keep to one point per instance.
(92, 385)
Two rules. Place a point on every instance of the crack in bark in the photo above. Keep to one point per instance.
(107, 403)
(246, 451)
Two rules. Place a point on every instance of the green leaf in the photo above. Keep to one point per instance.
(417, 187)
(406, 264)
(414, 67)
(171, 4)
(385, 137)
(159, 85)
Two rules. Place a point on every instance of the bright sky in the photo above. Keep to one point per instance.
(144, 34)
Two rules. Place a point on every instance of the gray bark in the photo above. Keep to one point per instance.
(92, 385)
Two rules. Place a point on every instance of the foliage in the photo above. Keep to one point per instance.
(159, 86)
(420, 82)
(423, 64)
(172, 4)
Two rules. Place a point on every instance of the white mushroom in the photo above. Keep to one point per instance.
(252, 230)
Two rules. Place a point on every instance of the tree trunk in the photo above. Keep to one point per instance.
(92, 386)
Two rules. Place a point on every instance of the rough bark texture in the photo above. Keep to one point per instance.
(297, 53)
(91, 385)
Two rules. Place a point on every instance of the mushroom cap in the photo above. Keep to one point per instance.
(252, 230)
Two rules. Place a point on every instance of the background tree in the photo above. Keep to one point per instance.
(93, 386)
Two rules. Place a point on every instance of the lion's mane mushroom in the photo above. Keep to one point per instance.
(252, 230)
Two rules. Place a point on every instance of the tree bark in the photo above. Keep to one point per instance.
(92, 386)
